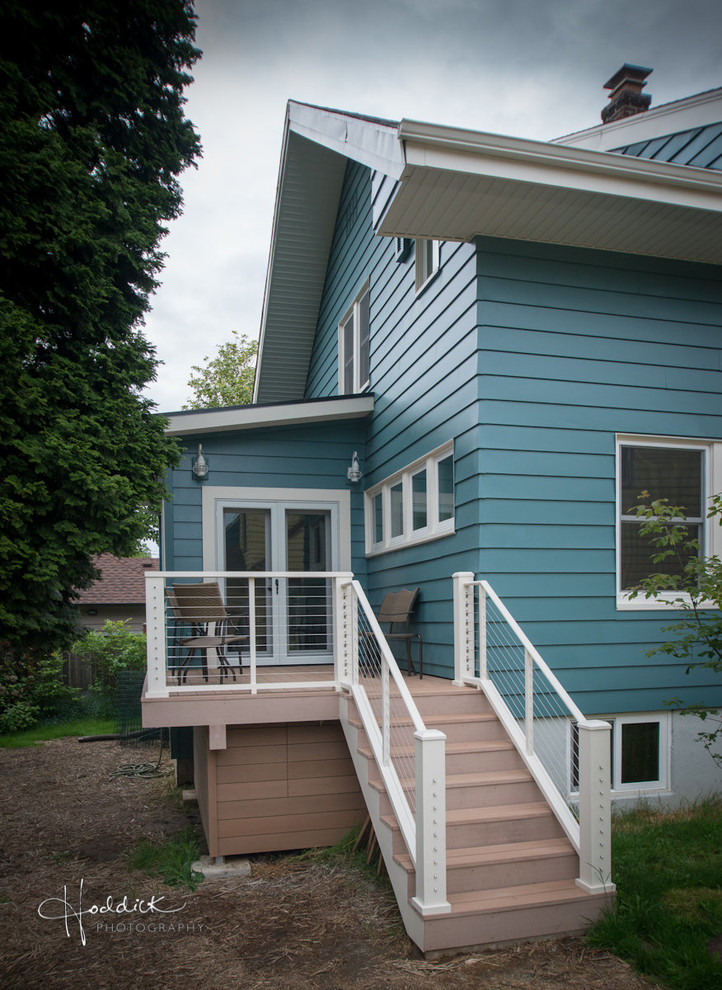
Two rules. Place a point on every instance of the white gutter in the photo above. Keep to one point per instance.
(477, 153)
(281, 414)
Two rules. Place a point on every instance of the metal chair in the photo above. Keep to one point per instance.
(201, 607)
(396, 610)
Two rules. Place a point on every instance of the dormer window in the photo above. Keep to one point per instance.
(353, 346)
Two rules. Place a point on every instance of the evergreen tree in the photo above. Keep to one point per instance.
(93, 138)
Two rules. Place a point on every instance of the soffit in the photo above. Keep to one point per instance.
(305, 216)
(317, 146)
(459, 185)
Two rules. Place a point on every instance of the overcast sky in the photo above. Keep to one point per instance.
(527, 68)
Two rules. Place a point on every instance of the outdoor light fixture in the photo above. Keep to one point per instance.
(354, 472)
(200, 464)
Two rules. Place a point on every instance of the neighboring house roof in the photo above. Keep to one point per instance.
(449, 183)
(121, 582)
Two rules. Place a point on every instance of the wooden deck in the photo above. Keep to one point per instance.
(223, 701)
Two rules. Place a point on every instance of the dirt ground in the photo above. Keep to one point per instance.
(65, 829)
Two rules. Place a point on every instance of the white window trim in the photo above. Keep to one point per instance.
(641, 786)
(352, 311)
(711, 530)
(434, 529)
(337, 501)
(424, 276)
(636, 788)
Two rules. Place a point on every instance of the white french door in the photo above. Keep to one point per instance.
(293, 616)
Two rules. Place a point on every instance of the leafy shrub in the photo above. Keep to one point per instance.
(110, 650)
(31, 688)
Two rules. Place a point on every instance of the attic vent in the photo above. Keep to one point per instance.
(626, 98)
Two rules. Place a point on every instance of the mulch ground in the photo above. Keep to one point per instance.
(66, 829)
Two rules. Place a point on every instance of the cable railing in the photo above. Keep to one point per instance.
(225, 630)
(410, 758)
(493, 653)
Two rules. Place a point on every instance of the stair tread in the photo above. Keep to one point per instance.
(452, 748)
(499, 812)
(495, 813)
(504, 852)
(513, 898)
(479, 778)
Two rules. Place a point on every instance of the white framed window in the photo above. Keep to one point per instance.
(428, 261)
(678, 469)
(354, 345)
(640, 756)
(414, 505)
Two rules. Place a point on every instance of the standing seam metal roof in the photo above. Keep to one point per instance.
(700, 147)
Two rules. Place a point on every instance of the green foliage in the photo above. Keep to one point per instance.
(691, 583)
(110, 650)
(170, 859)
(92, 141)
(227, 379)
(31, 688)
(57, 730)
(668, 872)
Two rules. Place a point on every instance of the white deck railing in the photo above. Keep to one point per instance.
(283, 618)
(410, 757)
(562, 749)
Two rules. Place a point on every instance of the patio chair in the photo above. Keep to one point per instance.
(200, 608)
(396, 610)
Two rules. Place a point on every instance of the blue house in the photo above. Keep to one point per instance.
(476, 352)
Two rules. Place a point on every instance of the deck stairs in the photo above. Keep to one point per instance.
(511, 869)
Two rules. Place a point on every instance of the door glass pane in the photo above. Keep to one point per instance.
(397, 510)
(418, 499)
(247, 535)
(640, 752)
(445, 470)
(308, 604)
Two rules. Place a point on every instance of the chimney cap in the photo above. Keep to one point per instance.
(626, 98)
(628, 73)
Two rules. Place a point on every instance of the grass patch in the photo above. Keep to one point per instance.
(41, 733)
(171, 859)
(668, 870)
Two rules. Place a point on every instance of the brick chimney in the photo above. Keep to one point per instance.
(626, 97)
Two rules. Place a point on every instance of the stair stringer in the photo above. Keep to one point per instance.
(375, 803)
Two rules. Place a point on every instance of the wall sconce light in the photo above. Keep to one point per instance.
(354, 472)
(200, 465)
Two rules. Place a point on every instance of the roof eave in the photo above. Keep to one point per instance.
(202, 421)
(460, 184)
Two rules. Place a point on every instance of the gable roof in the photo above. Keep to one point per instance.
(451, 183)
(121, 581)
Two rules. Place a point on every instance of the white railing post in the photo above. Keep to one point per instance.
(156, 636)
(463, 626)
(430, 897)
(252, 633)
(385, 714)
(595, 820)
(483, 665)
(529, 700)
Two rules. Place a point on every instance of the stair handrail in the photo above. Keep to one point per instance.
(424, 828)
(591, 833)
